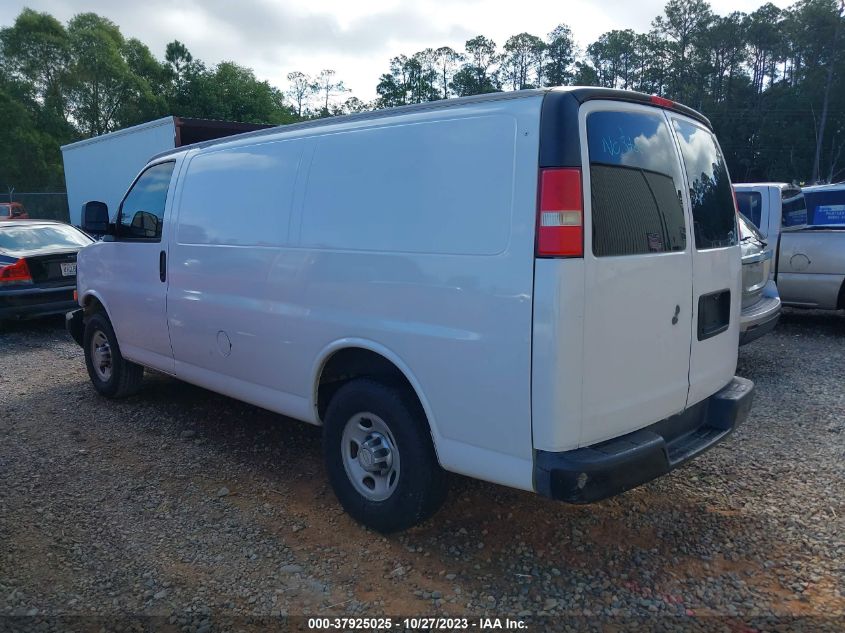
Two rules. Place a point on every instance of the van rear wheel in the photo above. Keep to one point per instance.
(111, 374)
(379, 456)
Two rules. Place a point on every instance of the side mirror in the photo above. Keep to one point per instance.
(95, 218)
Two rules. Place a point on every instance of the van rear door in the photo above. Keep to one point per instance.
(717, 264)
(638, 270)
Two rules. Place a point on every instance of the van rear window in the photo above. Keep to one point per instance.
(636, 185)
(713, 214)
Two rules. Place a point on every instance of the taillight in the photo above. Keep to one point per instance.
(560, 216)
(17, 273)
(736, 204)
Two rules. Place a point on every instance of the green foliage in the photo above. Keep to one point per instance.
(771, 81)
(61, 83)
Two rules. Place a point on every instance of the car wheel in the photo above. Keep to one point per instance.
(379, 456)
(111, 374)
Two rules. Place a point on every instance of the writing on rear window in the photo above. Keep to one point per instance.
(616, 146)
(636, 185)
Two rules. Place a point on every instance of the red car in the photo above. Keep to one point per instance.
(12, 211)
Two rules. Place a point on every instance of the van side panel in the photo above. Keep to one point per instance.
(419, 236)
(439, 187)
(414, 234)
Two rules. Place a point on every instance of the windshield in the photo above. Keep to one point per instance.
(5, 210)
(747, 230)
(826, 206)
(41, 237)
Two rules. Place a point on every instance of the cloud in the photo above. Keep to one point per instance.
(357, 39)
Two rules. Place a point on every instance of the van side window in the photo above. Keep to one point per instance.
(711, 195)
(750, 205)
(636, 185)
(142, 210)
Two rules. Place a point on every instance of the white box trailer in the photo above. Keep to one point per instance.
(102, 168)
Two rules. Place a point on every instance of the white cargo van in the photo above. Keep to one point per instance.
(539, 289)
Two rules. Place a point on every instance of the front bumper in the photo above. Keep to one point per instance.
(23, 303)
(602, 470)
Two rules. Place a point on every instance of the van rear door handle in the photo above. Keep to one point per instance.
(162, 266)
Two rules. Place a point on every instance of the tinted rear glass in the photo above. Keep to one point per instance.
(711, 195)
(40, 237)
(636, 185)
(826, 207)
(750, 205)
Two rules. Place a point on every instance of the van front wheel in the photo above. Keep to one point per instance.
(379, 456)
(111, 374)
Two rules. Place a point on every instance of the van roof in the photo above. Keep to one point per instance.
(579, 93)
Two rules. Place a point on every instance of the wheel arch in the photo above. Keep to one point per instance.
(351, 358)
(91, 301)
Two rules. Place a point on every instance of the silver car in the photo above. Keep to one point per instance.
(760, 299)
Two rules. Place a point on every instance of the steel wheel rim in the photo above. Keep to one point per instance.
(370, 456)
(101, 356)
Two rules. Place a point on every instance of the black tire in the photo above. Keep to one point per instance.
(421, 486)
(125, 376)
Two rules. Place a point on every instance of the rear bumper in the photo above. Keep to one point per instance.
(602, 470)
(22, 303)
(760, 318)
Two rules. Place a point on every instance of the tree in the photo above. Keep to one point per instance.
(523, 53)
(560, 55)
(615, 58)
(101, 85)
(682, 23)
(328, 88)
(29, 155)
(353, 105)
(239, 96)
(36, 50)
(300, 89)
(179, 58)
(446, 58)
(835, 58)
(481, 52)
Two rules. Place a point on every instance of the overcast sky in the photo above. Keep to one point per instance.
(357, 39)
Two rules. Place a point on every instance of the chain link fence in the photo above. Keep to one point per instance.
(41, 205)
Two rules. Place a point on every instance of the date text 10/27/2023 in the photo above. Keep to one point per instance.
(421, 623)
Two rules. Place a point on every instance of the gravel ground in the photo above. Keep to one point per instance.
(208, 512)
